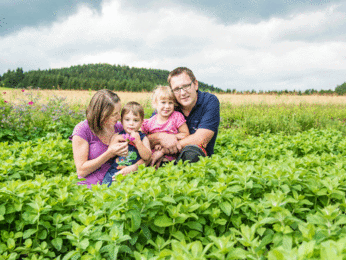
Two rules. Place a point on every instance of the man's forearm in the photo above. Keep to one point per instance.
(154, 139)
(201, 137)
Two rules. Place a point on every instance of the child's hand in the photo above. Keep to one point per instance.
(158, 147)
(156, 158)
(136, 137)
(127, 137)
(125, 171)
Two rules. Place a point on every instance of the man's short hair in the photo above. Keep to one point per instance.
(179, 71)
(133, 107)
(101, 106)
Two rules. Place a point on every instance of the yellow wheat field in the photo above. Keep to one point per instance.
(83, 97)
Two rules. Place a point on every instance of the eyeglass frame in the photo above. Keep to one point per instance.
(184, 87)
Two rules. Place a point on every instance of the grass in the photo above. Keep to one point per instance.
(83, 97)
(31, 114)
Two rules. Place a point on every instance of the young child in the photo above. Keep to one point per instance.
(165, 120)
(132, 116)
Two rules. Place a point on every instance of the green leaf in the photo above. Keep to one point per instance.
(42, 235)
(194, 225)
(135, 217)
(146, 231)
(28, 243)
(168, 199)
(178, 235)
(28, 233)
(163, 221)
(226, 207)
(71, 255)
(84, 243)
(11, 243)
(57, 243)
(2, 210)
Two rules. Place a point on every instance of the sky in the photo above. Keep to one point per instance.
(241, 44)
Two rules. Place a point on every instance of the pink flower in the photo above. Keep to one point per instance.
(128, 137)
(30, 103)
(23, 90)
(4, 93)
(5, 101)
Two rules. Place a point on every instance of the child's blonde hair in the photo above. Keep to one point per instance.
(163, 92)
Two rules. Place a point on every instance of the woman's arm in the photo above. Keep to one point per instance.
(84, 166)
(183, 132)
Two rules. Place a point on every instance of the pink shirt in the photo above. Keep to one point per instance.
(96, 148)
(171, 126)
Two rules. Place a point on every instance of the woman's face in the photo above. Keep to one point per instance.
(114, 117)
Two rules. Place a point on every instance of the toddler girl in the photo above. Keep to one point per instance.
(165, 120)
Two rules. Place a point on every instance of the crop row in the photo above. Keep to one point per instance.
(243, 203)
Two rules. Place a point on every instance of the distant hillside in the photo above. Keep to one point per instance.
(92, 76)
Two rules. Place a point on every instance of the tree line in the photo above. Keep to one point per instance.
(120, 78)
(92, 77)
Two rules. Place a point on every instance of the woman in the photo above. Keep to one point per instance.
(95, 140)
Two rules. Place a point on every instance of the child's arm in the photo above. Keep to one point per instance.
(183, 132)
(143, 147)
(128, 169)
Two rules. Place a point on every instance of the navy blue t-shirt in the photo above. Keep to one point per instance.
(205, 115)
(119, 161)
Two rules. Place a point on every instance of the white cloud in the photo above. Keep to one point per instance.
(270, 54)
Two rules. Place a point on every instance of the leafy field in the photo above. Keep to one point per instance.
(275, 189)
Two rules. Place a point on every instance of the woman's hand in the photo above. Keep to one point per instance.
(118, 146)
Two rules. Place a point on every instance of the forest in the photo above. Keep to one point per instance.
(120, 78)
(92, 77)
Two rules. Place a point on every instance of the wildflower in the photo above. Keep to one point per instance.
(23, 90)
(5, 101)
(128, 137)
(30, 103)
(4, 93)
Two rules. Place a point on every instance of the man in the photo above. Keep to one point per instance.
(202, 113)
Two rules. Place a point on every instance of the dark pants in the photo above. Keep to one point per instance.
(190, 153)
(108, 178)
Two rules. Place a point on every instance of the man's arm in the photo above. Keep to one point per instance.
(168, 141)
(200, 137)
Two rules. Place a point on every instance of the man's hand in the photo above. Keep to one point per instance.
(170, 143)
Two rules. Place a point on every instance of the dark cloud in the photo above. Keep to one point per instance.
(16, 14)
(228, 12)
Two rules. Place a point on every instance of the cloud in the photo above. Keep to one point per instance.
(279, 53)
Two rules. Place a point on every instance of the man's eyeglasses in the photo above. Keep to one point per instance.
(184, 87)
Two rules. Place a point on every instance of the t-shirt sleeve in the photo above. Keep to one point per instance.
(211, 116)
(179, 119)
(82, 130)
(118, 127)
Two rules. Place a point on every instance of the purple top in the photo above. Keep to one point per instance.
(96, 148)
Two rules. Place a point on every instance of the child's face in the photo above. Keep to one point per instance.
(131, 122)
(164, 107)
